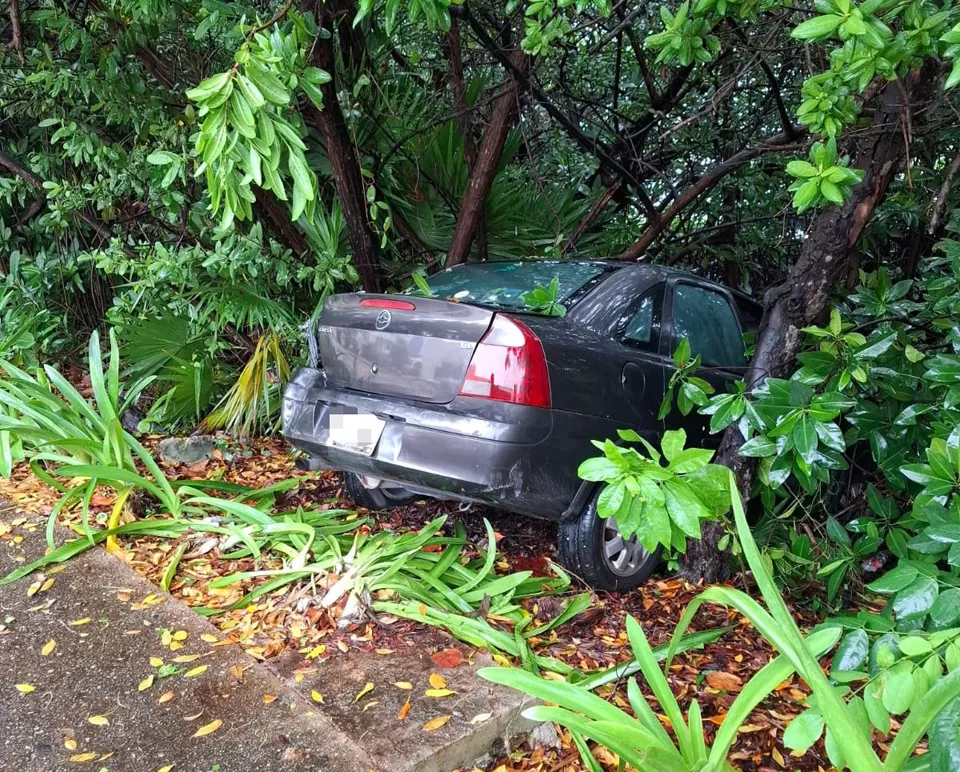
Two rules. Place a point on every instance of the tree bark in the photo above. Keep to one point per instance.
(340, 152)
(16, 30)
(590, 217)
(502, 117)
(464, 120)
(276, 217)
(803, 296)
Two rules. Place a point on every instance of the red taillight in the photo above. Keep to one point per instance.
(508, 365)
(393, 305)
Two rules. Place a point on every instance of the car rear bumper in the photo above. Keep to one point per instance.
(468, 449)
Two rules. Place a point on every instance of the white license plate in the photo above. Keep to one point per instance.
(359, 432)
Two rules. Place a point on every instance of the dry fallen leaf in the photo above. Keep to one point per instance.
(48, 647)
(84, 621)
(165, 697)
(165, 768)
(317, 697)
(209, 638)
(268, 698)
(405, 685)
(447, 658)
(82, 757)
(145, 684)
(364, 691)
(210, 728)
(200, 670)
(439, 692)
(99, 720)
(404, 711)
(437, 681)
(481, 717)
(370, 705)
(726, 682)
(70, 744)
(156, 662)
(180, 635)
(436, 723)
(186, 658)
(26, 688)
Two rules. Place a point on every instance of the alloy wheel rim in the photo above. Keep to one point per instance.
(622, 556)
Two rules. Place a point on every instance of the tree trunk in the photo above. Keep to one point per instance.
(276, 217)
(340, 152)
(488, 160)
(465, 122)
(798, 301)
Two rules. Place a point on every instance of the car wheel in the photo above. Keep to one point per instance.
(379, 498)
(592, 548)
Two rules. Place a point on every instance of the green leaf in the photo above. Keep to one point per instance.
(898, 687)
(852, 652)
(894, 580)
(760, 446)
(672, 443)
(598, 470)
(915, 600)
(817, 27)
(803, 731)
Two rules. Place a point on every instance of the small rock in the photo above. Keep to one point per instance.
(543, 736)
(186, 450)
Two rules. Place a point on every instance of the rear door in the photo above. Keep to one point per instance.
(643, 370)
(704, 315)
(411, 347)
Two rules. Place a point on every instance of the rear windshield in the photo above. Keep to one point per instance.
(503, 285)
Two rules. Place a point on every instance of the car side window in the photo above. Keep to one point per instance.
(707, 320)
(642, 328)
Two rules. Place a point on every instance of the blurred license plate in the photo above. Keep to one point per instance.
(359, 432)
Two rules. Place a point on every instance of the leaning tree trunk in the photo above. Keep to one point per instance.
(488, 160)
(799, 301)
(343, 159)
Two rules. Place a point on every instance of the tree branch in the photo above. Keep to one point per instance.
(16, 31)
(777, 144)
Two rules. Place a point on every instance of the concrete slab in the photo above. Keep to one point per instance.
(106, 623)
(478, 718)
(95, 669)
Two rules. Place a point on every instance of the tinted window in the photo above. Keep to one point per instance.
(642, 329)
(503, 285)
(706, 319)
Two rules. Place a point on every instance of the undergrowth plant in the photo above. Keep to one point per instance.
(643, 743)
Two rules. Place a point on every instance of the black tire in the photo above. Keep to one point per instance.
(375, 498)
(581, 544)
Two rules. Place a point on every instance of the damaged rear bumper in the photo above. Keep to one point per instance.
(468, 449)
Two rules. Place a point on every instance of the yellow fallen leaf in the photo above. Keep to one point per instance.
(370, 705)
(145, 684)
(210, 728)
(26, 688)
(196, 671)
(84, 621)
(317, 697)
(175, 645)
(437, 681)
(343, 647)
(165, 697)
(99, 720)
(436, 723)
(82, 757)
(186, 658)
(316, 651)
(268, 698)
(47, 584)
(70, 744)
(404, 711)
(180, 635)
(481, 717)
(33, 589)
(156, 662)
(364, 691)
(165, 768)
(383, 652)
(405, 685)
(48, 647)
(166, 638)
(209, 638)
(439, 692)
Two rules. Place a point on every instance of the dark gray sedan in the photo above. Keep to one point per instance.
(468, 395)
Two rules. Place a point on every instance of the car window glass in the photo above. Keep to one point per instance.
(642, 328)
(503, 285)
(706, 319)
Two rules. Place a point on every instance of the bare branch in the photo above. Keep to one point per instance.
(16, 31)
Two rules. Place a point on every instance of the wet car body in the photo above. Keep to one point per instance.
(403, 359)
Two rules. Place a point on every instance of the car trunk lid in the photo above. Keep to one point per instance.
(400, 346)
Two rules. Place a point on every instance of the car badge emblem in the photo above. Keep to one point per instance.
(383, 320)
